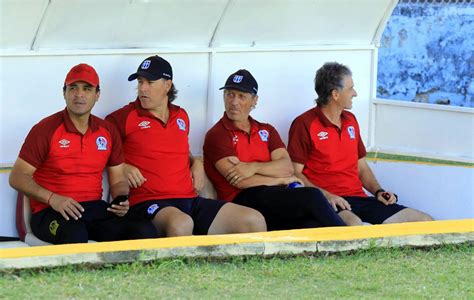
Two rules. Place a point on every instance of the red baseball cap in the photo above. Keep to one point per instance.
(82, 72)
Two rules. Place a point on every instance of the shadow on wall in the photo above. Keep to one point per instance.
(426, 53)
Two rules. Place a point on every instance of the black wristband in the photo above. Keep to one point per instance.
(378, 192)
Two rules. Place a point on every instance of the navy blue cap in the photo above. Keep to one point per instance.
(243, 81)
(153, 68)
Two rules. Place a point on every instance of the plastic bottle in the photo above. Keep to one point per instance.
(295, 184)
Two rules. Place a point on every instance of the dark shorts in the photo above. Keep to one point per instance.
(96, 224)
(202, 210)
(370, 210)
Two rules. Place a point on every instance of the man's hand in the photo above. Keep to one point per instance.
(198, 175)
(387, 197)
(239, 171)
(337, 201)
(66, 206)
(134, 176)
(121, 209)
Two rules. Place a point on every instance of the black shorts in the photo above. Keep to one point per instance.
(96, 224)
(370, 210)
(202, 210)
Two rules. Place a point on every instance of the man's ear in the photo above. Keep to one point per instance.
(335, 94)
(255, 100)
(168, 84)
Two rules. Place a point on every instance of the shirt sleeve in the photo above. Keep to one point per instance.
(299, 141)
(362, 152)
(275, 141)
(118, 119)
(36, 147)
(217, 145)
(116, 156)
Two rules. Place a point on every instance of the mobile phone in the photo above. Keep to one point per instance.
(118, 199)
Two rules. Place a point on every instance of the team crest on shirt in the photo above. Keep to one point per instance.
(101, 143)
(235, 139)
(152, 208)
(263, 135)
(144, 124)
(351, 132)
(181, 124)
(323, 135)
(64, 143)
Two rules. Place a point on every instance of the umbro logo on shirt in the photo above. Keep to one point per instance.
(235, 139)
(323, 135)
(64, 143)
(144, 124)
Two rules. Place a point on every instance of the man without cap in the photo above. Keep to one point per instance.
(60, 169)
(164, 177)
(248, 164)
(327, 152)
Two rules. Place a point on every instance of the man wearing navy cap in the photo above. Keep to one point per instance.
(163, 176)
(60, 169)
(248, 164)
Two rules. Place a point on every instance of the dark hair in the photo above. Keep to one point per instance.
(328, 78)
(172, 93)
(97, 88)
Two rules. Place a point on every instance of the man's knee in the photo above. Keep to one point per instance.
(233, 218)
(350, 218)
(408, 215)
(171, 221)
(252, 220)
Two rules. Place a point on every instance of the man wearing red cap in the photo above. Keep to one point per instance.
(60, 168)
(163, 176)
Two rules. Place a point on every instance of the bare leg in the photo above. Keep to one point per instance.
(408, 215)
(233, 218)
(171, 221)
(350, 218)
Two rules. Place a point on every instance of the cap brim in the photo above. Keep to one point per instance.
(237, 87)
(147, 75)
(93, 84)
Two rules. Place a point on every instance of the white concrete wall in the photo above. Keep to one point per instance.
(423, 130)
(444, 192)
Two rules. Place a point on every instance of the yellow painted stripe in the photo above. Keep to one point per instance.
(291, 236)
(375, 159)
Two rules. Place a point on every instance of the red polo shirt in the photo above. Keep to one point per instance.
(329, 154)
(159, 150)
(68, 162)
(225, 139)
